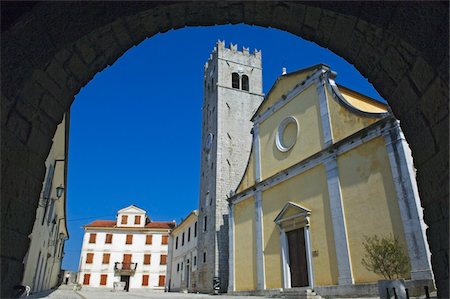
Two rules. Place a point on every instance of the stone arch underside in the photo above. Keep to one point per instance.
(53, 49)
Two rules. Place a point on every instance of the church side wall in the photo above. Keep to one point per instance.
(370, 201)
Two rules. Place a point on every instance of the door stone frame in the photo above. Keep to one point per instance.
(289, 223)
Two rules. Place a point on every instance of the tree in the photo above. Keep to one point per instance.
(385, 256)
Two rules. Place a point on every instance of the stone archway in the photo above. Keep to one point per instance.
(50, 50)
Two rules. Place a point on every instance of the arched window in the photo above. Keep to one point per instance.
(245, 82)
(235, 80)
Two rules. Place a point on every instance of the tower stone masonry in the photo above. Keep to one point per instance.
(232, 93)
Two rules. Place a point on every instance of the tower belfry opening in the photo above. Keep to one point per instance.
(228, 105)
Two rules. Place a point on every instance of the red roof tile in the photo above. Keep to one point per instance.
(102, 223)
(160, 225)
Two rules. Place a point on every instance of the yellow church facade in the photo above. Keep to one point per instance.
(328, 167)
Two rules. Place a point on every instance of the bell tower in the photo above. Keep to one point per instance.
(232, 93)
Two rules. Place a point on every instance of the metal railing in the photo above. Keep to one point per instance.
(121, 267)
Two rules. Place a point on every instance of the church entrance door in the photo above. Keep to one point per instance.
(297, 257)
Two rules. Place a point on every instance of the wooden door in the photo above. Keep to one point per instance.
(126, 263)
(297, 258)
(162, 280)
(86, 279)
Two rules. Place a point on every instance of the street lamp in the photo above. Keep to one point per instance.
(59, 191)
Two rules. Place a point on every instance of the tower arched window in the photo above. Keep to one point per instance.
(235, 80)
(245, 82)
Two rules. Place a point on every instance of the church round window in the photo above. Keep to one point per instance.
(287, 134)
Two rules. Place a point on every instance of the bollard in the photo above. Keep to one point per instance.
(407, 293)
(387, 292)
(427, 293)
(395, 293)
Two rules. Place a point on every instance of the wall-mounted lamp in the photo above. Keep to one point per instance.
(59, 191)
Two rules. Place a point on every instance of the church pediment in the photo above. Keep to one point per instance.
(293, 215)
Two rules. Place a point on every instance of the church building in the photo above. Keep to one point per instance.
(328, 167)
(127, 253)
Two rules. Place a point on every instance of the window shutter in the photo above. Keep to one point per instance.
(108, 239)
(86, 279)
(129, 239)
(106, 257)
(92, 238)
(137, 219)
(103, 279)
(163, 259)
(164, 240)
(89, 258)
(149, 239)
(147, 258)
(145, 280)
(162, 280)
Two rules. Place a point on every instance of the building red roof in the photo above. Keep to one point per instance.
(102, 223)
(157, 224)
(112, 223)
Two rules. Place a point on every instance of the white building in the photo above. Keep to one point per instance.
(42, 263)
(129, 252)
(183, 255)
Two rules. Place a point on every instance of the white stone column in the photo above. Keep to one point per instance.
(256, 149)
(324, 111)
(261, 279)
(285, 259)
(309, 255)
(338, 220)
(404, 177)
(231, 287)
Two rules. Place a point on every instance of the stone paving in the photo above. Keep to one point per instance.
(67, 292)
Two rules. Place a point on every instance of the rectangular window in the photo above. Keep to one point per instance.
(149, 239)
(176, 243)
(182, 239)
(92, 238)
(181, 266)
(204, 257)
(205, 220)
(164, 240)
(163, 259)
(137, 219)
(86, 279)
(129, 239)
(195, 229)
(178, 267)
(103, 279)
(195, 260)
(147, 258)
(108, 239)
(126, 262)
(89, 258)
(124, 219)
(145, 280)
(189, 234)
(106, 257)
(162, 280)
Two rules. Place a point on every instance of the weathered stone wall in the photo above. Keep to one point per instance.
(50, 51)
(226, 115)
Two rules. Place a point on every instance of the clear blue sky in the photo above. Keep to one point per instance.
(136, 127)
